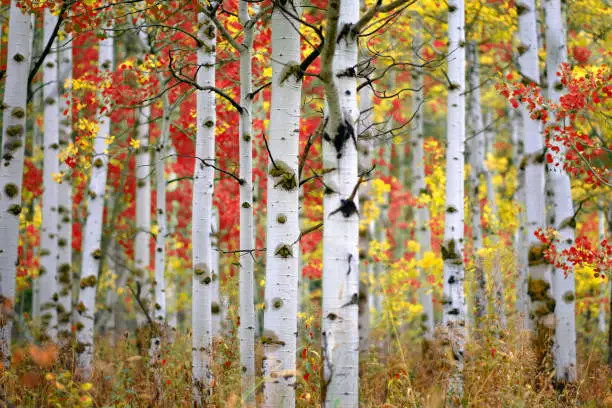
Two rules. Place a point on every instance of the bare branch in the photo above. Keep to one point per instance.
(190, 81)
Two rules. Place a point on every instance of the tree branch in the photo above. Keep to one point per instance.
(39, 62)
(181, 78)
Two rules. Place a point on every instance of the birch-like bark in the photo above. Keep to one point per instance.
(532, 164)
(160, 211)
(37, 105)
(64, 260)
(49, 227)
(479, 142)
(475, 152)
(601, 317)
(142, 240)
(92, 237)
(499, 300)
(340, 334)
(562, 212)
(283, 229)
(380, 234)
(217, 304)
(114, 308)
(11, 168)
(454, 304)
(203, 185)
(366, 145)
(521, 241)
(247, 226)
(421, 214)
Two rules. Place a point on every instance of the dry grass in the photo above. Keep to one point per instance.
(499, 372)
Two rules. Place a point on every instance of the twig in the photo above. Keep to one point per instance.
(309, 143)
(203, 161)
(139, 301)
(268, 149)
(306, 232)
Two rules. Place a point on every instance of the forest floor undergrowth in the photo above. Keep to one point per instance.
(500, 371)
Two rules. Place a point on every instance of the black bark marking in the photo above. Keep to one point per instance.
(350, 258)
(344, 133)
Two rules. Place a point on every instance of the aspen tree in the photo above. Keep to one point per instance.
(601, 317)
(142, 239)
(380, 227)
(247, 227)
(64, 260)
(454, 303)
(161, 151)
(366, 148)
(521, 241)
(478, 170)
(562, 216)
(50, 200)
(217, 304)
(92, 237)
(19, 52)
(421, 214)
(532, 165)
(499, 301)
(203, 185)
(340, 208)
(283, 229)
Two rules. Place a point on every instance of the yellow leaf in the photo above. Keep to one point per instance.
(57, 177)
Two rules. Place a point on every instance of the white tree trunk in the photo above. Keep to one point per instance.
(422, 230)
(64, 261)
(108, 326)
(476, 155)
(480, 142)
(539, 284)
(601, 317)
(247, 227)
(340, 335)
(366, 148)
(521, 243)
(283, 228)
(142, 240)
(203, 188)
(499, 300)
(562, 213)
(92, 236)
(160, 211)
(49, 228)
(454, 305)
(11, 167)
(217, 304)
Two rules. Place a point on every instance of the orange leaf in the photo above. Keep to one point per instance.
(43, 356)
